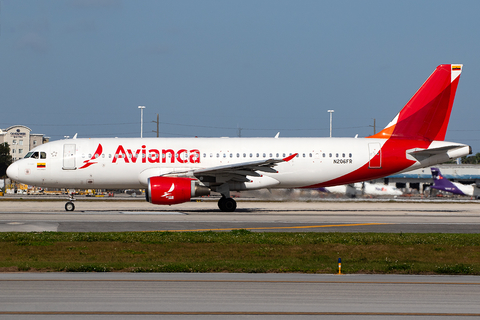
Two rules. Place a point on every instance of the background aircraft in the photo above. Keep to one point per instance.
(172, 170)
(361, 188)
(443, 184)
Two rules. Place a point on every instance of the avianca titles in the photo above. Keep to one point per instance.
(173, 170)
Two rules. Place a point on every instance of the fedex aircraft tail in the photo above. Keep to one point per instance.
(426, 115)
(441, 183)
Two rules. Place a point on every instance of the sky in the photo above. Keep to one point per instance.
(230, 68)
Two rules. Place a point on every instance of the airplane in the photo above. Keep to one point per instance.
(173, 170)
(360, 188)
(442, 183)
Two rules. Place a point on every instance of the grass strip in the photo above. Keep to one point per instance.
(241, 251)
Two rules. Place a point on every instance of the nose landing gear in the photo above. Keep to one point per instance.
(69, 206)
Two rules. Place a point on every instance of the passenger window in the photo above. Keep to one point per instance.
(330, 155)
(258, 155)
(350, 155)
(324, 155)
(337, 155)
(343, 155)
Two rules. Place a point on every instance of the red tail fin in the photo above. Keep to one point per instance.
(426, 115)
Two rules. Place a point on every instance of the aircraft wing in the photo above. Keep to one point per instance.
(239, 171)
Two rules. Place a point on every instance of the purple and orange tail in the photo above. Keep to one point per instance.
(441, 183)
(426, 115)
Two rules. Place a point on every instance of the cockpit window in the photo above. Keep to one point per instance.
(36, 155)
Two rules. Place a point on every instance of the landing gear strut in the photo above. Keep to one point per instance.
(227, 204)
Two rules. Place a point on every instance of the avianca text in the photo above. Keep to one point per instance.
(156, 156)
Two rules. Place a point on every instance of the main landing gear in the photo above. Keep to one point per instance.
(227, 204)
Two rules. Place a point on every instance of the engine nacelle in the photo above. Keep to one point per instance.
(173, 190)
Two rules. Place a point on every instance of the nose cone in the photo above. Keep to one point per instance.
(12, 171)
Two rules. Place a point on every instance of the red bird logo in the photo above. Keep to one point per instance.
(89, 162)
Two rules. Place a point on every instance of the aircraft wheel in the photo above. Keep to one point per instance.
(221, 203)
(227, 204)
(230, 205)
(69, 206)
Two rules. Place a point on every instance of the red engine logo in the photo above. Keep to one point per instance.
(168, 190)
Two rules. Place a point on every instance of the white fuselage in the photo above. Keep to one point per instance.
(318, 160)
(129, 162)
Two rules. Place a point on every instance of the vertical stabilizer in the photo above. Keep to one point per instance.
(441, 183)
(426, 115)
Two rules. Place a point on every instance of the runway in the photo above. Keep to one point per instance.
(236, 296)
(257, 216)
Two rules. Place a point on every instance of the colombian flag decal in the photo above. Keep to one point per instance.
(456, 68)
(41, 165)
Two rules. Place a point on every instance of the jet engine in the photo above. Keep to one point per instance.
(173, 190)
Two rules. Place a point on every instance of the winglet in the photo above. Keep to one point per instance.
(290, 157)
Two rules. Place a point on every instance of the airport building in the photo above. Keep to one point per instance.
(21, 140)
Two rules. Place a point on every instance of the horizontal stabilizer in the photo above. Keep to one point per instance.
(438, 154)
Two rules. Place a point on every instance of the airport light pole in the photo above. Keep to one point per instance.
(141, 120)
(331, 111)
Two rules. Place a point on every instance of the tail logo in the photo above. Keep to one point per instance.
(89, 162)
